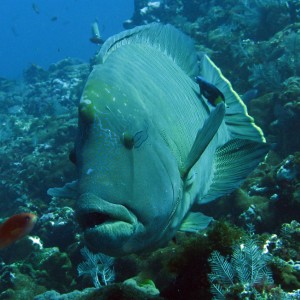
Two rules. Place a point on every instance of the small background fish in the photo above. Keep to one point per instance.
(15, 228)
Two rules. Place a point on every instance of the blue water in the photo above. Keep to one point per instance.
(43, 32)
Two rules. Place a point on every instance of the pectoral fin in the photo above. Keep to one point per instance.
(204, 136)
(195, 222)
(69, 190)
(232, 163)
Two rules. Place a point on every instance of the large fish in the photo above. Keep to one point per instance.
(150, 145)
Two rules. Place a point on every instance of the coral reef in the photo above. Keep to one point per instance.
(38, 116)
(256, 44)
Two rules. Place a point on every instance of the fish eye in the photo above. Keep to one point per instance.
(127, 140)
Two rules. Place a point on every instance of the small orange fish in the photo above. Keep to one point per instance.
(15, 228)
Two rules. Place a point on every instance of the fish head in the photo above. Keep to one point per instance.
(129, 183)
(22, 224)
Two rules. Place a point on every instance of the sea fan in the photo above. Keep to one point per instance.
(250, 264)
(222, 274)
(248, 267)
(97, 264)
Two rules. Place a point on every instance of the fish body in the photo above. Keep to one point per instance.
(15, 228)
(96, 37)
(210, 91)
(149, 146)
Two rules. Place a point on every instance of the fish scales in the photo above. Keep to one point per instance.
(168, 96)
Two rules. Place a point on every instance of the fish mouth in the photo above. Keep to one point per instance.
(107, 226)
(94, 212)
(95, 218)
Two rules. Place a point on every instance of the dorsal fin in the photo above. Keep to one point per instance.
(246, 148)
(240, 124)
(166, 38)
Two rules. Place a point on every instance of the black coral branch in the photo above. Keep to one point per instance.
(247, 267)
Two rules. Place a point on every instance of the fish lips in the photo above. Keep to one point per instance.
(107, 226)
